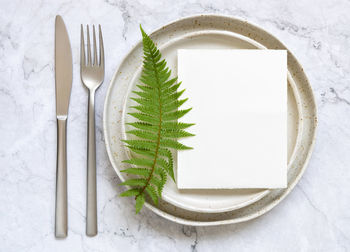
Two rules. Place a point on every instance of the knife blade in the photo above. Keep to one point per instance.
(63, 68)
(63, 81)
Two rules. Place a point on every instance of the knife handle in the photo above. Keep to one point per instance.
(91, 201)
(61, 180)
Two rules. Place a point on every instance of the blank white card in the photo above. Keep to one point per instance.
(239, 101)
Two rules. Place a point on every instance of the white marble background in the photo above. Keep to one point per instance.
(314, 217)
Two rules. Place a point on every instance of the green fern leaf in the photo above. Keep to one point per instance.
(137, 171)
(159, 180)
(168, 84)
(146, 109)
(145, 102)
(141, 144)
(140, 200)
(174, 105)
(143, 134)
(145, 117)
(163, 178)
(173, 144)
(143, 152)
(152, 193)
(175, 114)
(156, 129)
(130, 192)
(140, 161)
(135, 182)
(144, 126)
(176, 133)
(176, 125)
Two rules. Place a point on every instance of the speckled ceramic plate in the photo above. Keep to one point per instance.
(210, 201)
(212, 207)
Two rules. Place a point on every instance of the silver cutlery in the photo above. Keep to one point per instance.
(63, 81)
(92, 75)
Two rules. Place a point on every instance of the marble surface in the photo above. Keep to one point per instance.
(314, 217)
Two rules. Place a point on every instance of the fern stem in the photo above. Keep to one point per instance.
(159, 130)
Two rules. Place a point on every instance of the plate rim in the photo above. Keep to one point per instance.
(290, 187)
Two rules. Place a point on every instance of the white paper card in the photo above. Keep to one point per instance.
(239, 101)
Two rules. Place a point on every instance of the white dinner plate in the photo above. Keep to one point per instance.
(208, 31)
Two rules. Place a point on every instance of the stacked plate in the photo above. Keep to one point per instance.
(213, 207)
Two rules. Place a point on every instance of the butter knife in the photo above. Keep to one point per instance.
(63, 81)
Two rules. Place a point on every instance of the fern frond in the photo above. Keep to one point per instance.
(130, 192)
(173, 144)
(140, 162)
(140, 200)
(144, 134)
(175, 114)
(145, 117)
(156, 130)
(135, 182)
(152, 193)
(175, 125)
(174, 105)
(144, 172)
(140, 144)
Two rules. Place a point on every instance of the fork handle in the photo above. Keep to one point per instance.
(61, 180)
(91, 203)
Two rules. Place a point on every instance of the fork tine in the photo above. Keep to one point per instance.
(82, 47)
(88, 47)
(95, 62)
(102, 54)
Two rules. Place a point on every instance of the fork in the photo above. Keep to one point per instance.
(92, 75)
